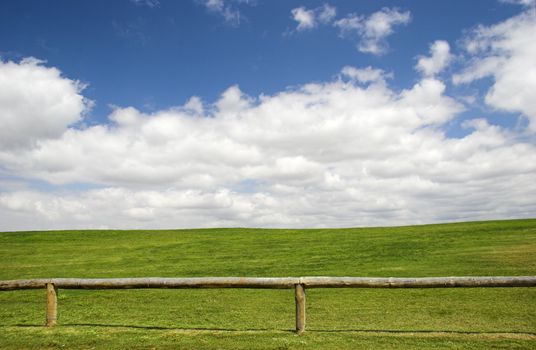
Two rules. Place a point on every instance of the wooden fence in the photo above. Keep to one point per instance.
(298, 283)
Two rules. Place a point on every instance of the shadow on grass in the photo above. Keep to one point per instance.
(313, 330)
(103, 325)
(208, 329)
(419, 331)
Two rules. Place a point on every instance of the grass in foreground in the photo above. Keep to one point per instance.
(231, 319)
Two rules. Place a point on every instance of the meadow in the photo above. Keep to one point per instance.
(491, 318)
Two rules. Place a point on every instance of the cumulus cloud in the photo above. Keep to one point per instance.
(506, 53)
(439, 58)
(36, 103)
(351, 151)
(374, 29)
(308, 19)
(347, 152)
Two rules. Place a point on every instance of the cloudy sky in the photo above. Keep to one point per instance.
(257, 113)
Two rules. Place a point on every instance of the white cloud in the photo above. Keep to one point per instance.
(36, 103)
(232, 101)
(214, 5)
(350, 24)
(429, 102)
(337, 153)
(148, 3)
(365, 75)
(195, 105)
(228, 9)
(353, 151)
(326, 13)
(439, 59)
(520, 2)
(373, 30)
(309, 19)
(305, 18)
(505, 52)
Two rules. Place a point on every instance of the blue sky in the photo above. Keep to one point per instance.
(154, 57)
(249, 113)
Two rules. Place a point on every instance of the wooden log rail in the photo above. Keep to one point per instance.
(298, 283)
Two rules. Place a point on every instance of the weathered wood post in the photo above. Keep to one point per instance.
(52, 304)
(299, 296)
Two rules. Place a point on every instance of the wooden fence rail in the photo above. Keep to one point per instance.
(298, 283)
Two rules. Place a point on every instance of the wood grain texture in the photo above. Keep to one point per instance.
(153, 282)
(271, 282)
(299, 296)
(52, 305)
(426, 282)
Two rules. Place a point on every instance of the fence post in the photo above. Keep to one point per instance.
(299, 296)
(52, 304)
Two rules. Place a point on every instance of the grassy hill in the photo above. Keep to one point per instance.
(260, 319)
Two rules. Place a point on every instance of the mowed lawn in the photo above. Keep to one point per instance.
(492, 318)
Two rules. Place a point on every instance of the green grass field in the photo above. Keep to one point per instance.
(501, 318)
